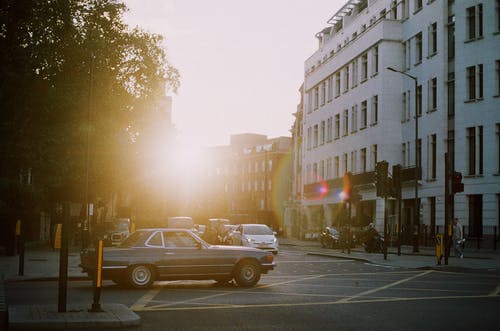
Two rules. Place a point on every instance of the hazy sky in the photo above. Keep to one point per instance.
(241, 62)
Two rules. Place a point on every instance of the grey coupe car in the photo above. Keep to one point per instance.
(148, 255)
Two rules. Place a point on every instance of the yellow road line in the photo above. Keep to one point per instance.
(304, 304)
(141, 303)
(385, 286)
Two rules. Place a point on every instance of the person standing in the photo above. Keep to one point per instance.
(457, 238)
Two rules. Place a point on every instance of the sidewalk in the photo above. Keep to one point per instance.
(424, 259)
(41, 262)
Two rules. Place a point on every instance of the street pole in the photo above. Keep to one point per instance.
(416, 211)
(417, 168)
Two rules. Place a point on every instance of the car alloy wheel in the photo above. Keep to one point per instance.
(140, 276)
(247, 273)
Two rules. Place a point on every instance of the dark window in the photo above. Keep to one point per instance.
(471, 150)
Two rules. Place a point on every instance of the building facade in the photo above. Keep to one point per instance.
(250, 179)
(445, 68)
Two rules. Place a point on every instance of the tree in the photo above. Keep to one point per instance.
(75, 85)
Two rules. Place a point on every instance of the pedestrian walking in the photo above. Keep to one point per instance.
(457, 238)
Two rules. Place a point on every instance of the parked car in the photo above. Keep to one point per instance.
(255, 235)
(148, 255)
(329, 237)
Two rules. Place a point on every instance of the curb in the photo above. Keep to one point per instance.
(3, 306)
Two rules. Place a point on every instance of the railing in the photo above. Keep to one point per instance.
(488, 236)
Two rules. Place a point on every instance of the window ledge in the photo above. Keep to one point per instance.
(417, 10)
(474, 176)
(431, 180)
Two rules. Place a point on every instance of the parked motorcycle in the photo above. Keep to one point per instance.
(373, 242)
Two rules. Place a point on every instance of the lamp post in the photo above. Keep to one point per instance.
(416, 217)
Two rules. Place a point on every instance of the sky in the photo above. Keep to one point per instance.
(241, 62)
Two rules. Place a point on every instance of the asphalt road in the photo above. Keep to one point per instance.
(304, 293)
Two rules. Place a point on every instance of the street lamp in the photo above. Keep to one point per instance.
(415, 208)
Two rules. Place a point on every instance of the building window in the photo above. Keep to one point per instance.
(364, 115)
(345, 123)
(337, 167)
(374, 109)
(337, 84)
(432, 100)
(480, 81)
(474, 22)
(497, 11)
(363, 160)
(480, 147)
(471, 83)
(309, 138)
(432, 157)
(407, 54)
(497, 65)
(474, 82)
(329, 129)
(375, 60)
(322, 93)
(316, 98)
(394, 10)
(418, 5)
(337, 126)
(419, 100)
(322, 133)
(344, 162)
(418, 48)
(354, 73)
(354, 118)
(405, 5)
(330, 88)
(433, 39)
(471, 150)
(315, 141)
(329, 168)
(498, 147)
(354, 161)
(374, 158)
(403, 154)
(364, 67)
(322, 169)
(419, 153)
(451, 37)
(346, 78)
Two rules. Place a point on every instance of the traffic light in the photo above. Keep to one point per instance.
(381, 174)
(456, 182)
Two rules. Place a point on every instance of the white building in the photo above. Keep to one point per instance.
(356, 112)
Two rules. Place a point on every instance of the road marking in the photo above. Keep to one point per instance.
(304, 304)
(385, 286)
(148, 297)
(495, 291)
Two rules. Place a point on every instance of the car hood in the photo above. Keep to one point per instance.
(268, 238)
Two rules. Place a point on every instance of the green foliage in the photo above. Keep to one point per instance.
(72, 72)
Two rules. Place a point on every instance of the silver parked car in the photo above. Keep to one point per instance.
(255, 235)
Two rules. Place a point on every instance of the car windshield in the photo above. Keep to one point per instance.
(136, 239)
(257, 230)
(333, 231)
